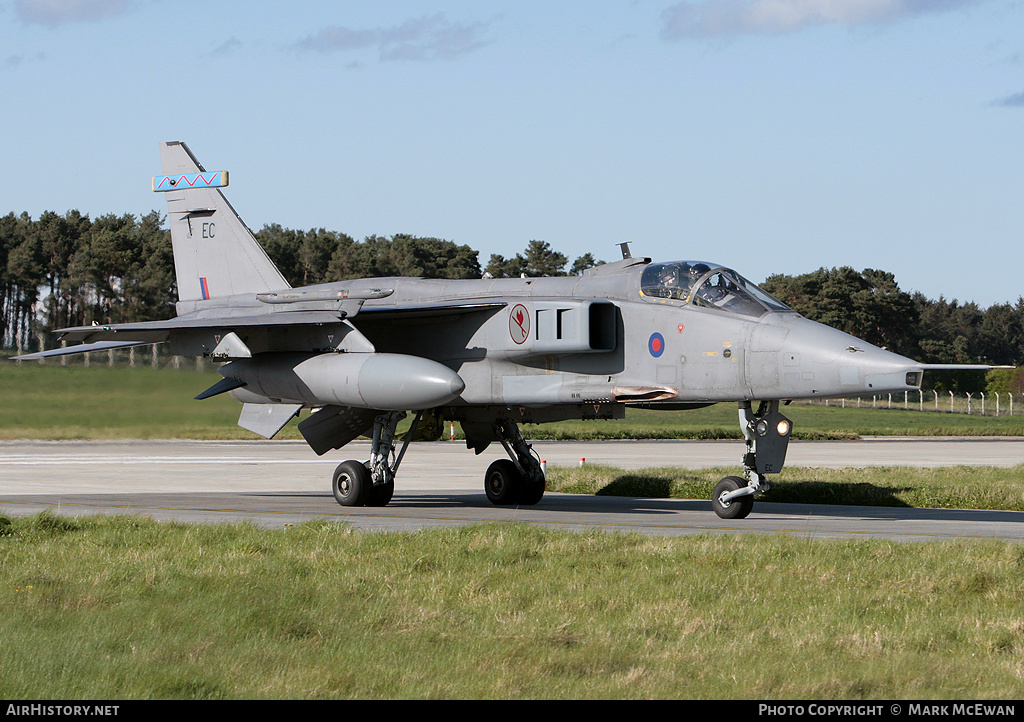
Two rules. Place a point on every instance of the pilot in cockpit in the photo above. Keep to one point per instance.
(670, 282)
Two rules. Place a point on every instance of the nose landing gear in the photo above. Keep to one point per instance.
(767, 434)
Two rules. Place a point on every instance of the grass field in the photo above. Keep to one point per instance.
(143, 403)
(125, 608)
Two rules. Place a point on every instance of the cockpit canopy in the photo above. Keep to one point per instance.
(708, 285)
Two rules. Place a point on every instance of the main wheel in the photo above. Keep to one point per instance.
(503, 482)
(352, 484)
(380, 494)
(532, 492)
(737, 508)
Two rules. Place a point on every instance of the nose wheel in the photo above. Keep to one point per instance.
(727, 504)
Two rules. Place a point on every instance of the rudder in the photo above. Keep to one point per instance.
(215, 254)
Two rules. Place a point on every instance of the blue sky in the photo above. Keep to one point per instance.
(772, 136)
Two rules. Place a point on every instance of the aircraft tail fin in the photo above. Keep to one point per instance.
(215, 254)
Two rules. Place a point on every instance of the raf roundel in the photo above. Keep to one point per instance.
(656, 344)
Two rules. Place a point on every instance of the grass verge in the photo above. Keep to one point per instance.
(959, 487)
(126, 608)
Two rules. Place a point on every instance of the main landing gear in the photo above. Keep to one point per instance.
(373, 483)
(518, 479)
(767, 433)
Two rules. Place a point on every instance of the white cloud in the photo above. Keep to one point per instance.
(418, 39)
(60, 12)
(773, 17)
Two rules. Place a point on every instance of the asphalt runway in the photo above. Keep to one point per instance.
(277, 483)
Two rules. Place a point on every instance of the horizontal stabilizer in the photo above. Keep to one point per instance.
(267, 419)
(80, 348)
(221, 387)
(334, 426)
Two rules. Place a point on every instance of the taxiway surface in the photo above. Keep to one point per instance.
(440, 484)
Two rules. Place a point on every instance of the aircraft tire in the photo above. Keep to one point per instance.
(351, 484)
(532, 492)
(503, 483)
(380, 495)
(737, 508)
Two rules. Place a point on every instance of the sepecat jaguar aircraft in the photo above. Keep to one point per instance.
(489, 354)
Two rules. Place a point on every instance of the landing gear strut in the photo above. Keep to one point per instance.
(767, 433)
(373, 483)
(516, 481)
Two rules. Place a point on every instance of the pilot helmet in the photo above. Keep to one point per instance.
(668, 276)
(698, 270)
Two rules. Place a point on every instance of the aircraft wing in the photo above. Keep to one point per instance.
(125, 335)
(79, 348)
(157, 331)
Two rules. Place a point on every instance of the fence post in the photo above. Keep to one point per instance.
(982, 403)
(969, 403)
(997, 403)
(950, 402)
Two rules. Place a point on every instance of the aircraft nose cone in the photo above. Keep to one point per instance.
(813, 360)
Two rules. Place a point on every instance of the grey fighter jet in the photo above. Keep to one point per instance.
(489, 354)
